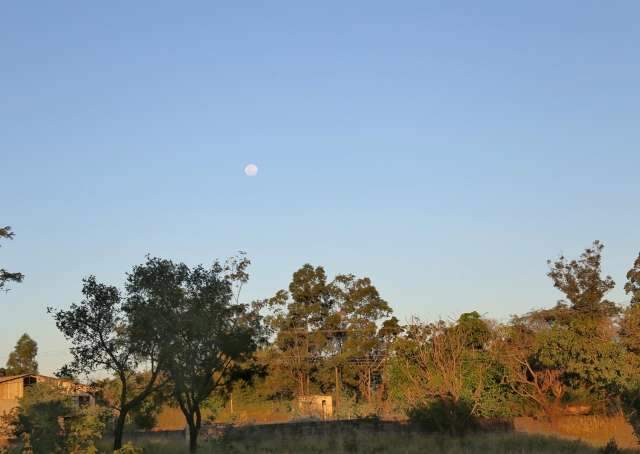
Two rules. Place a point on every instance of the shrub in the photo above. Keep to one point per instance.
(55, 424)
(40, 413)
(129, 448)
(611, 448)
(84, 429)
(444, 415)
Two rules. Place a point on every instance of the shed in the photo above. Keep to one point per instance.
(12, 389)
(316, 406)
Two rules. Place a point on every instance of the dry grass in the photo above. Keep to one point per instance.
(497, 443)
(367, 437)
(595, 430)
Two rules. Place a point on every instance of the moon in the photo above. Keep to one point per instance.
(251, 170)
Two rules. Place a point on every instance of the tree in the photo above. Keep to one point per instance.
(357, 346)
(100, 332)
(22, 359)
(632, 287)
(437, 360)
(569, 352)
(202, 330)
(298, 319)
(581, 282)
(6, 276)
(327, 334)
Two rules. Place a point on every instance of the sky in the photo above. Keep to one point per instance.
(444, 149)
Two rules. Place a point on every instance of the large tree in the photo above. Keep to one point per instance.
(326, 333)
(568, 352)
(100, 331)
(7, 276)
(582, 283)
(22, 360)
(632, 287)
(202, 330)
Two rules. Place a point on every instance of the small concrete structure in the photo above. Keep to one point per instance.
(316, 406)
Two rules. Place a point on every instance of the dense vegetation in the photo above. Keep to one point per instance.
(180, 336)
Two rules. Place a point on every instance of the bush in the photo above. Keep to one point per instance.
(129, 448)
(40, 413)
(611, 448)
(83, 430)
(445, 415)
(55, 424)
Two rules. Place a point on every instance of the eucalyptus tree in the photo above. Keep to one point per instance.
(22, 360)
(327, 332)
(632, 287)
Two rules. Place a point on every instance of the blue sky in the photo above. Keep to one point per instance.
(445, 149)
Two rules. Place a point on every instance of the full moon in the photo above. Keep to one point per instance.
(251, 170)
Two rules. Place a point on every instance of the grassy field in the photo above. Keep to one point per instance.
(357, 437)
(500, 443)
(368, 437)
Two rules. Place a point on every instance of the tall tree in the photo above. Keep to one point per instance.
(632, 287)
(100, 332)
(6, 276)
(299, 320)
(357, 346)
(202, 330)
(582, 283)
(22, 359)
(326, 332)
(569, 351)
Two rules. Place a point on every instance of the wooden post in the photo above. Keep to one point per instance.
(231, 402)
(337, 392)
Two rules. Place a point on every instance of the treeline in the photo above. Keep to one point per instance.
(339, 337)
(180, 335)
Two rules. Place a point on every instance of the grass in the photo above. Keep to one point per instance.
(485, 443)
(364, 441)
(360, 437)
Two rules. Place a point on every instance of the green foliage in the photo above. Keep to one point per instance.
(55, 424)
(22, 359)
(201, 331)
(7, 276)
(326, 328)
(84, 429)
(40, 414)
(632, 287)
(129, 448)
(581, 282)
(445, 415)
(102, 337)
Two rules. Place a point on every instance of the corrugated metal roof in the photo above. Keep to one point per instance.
(12, 377)
(16, 377)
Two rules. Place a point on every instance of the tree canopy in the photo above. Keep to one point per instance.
(22, 360)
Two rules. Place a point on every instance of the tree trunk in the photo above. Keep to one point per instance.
(119, 430)
(194, 421)
(193, 433)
